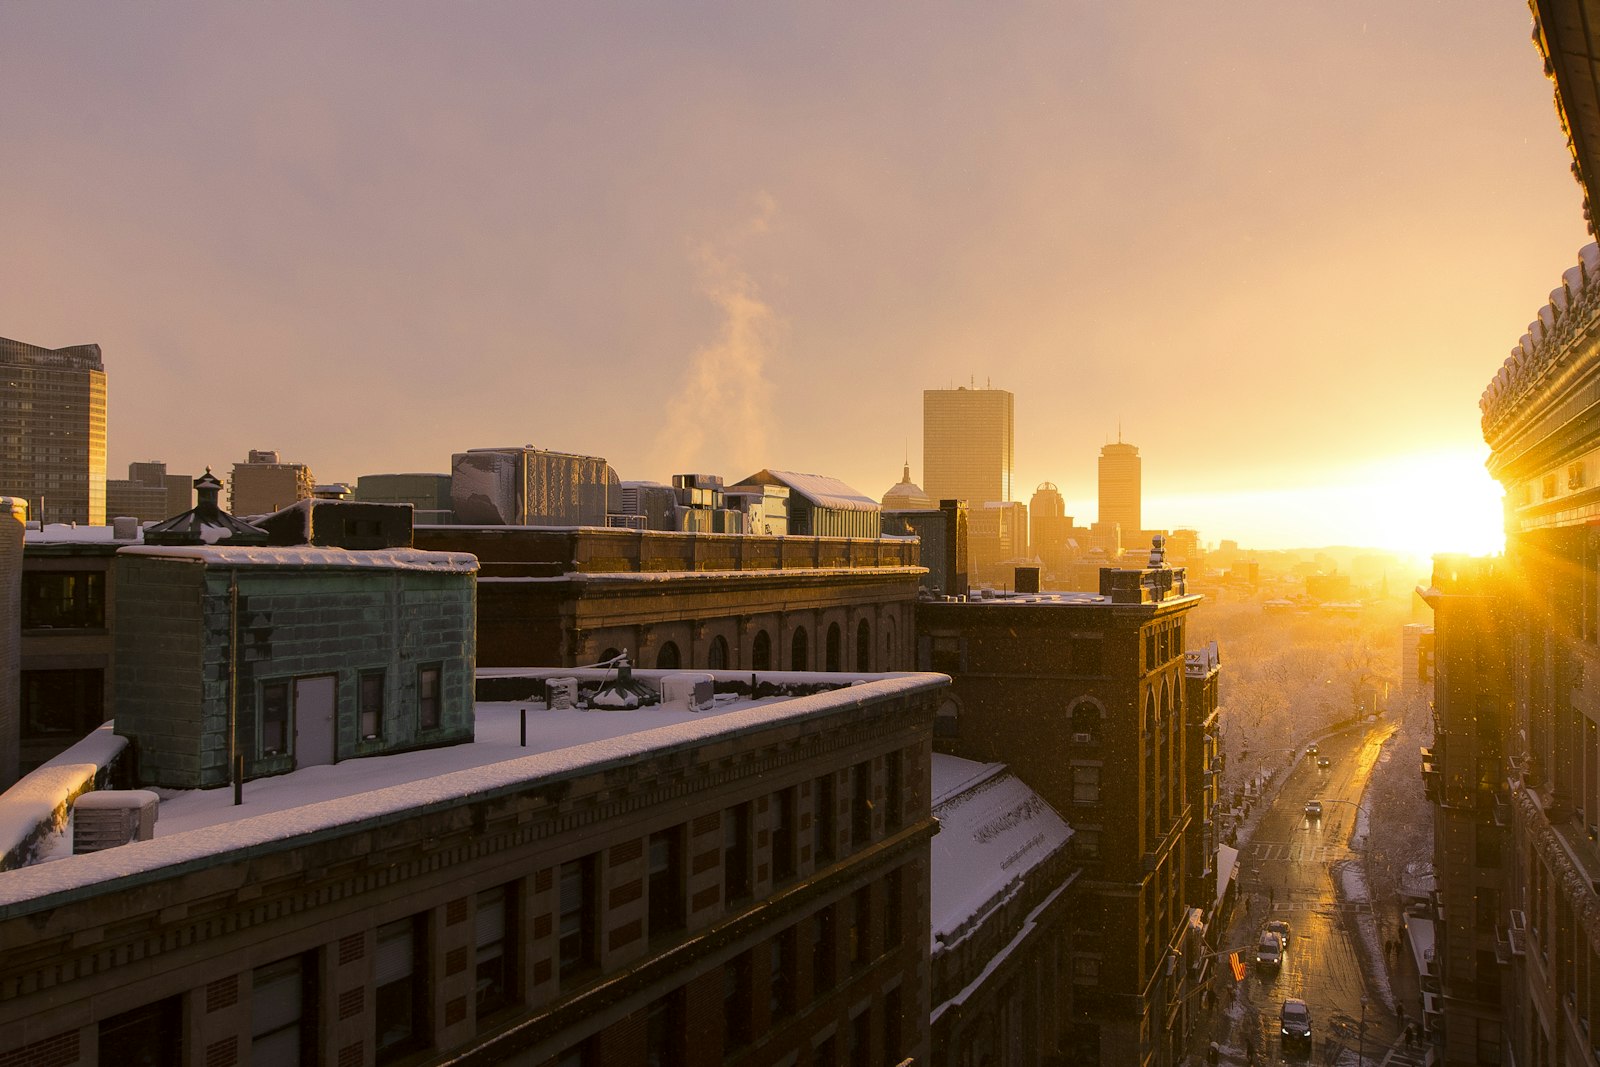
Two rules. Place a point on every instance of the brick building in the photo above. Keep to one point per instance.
(573, 597)
(747, 882)
(1083, 696)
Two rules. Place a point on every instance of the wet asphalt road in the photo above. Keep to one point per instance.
(1288, 872)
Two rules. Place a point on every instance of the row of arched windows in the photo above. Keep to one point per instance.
(670, 657)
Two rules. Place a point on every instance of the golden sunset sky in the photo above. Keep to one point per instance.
(1283, 247)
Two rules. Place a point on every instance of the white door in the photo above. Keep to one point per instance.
(315, 720)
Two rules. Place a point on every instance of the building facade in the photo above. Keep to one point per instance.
(1083, 697)
(968, 450)
(263, 483)
(428, 494)
(53, 430)
(748, 887)
(149, 493)
(720, 601)
(13, 517)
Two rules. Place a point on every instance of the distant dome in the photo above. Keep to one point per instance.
(1047, 487)
(906, 495)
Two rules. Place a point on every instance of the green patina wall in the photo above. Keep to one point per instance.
(173, 636)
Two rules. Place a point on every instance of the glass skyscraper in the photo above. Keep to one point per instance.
(53, 430)
(967, 444)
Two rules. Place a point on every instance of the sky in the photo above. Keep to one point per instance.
(1279, 247)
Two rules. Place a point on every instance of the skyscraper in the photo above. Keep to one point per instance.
(967, 450)
(53, 430)
(1120, 488)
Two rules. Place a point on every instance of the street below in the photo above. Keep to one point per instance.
(1307, 871)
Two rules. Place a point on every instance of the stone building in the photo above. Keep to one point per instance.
(1083, 696)
(745, 883)
(1202, 775)
(565, 597)
(288, 657)
(13, 516)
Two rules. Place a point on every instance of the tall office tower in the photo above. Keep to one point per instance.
(264, 484)
(1120, 489)
(53, 430)
(967, 451)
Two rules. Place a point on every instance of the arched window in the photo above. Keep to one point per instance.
(761, 652)
(1149, 711)
(888, 662)
(947, 720)
(835, 648)
(1085, 721)
(717, 657)
(799, 651)
(863, 646)
(610, 654)
(668, 659)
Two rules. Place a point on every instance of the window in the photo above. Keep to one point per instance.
(947, 720)
(717, 657)
(274, 718)
(1575, 475)
(736, 853)
(894, 786)
(861, 806)
(577, 917)
(282, 1030)
(1549, 486)
(861, 1038)
(372, 705)
(151, 1035)
(666, 881)
(761, 652)
(894, 898)
(1085, 784)
(781, 975)
(799, 653)
(834, 656)
(63, 600)
(949, 655)
(823, 957)
(783, 824)
(892, 1037)
(665, 1032)
(62, 704)
(1085, 843)
(669, 659)
(401, 990)
(1149, 649)
(496, 962)
(861, 926)
(736, 1003)
(428, 710)
(863, 646)
(825, 809)
(1085, 723)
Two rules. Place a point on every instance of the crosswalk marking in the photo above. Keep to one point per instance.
(1293, 853)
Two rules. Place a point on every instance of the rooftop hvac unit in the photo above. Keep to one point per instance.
(561, 693)
(107, 818)
(688, 692)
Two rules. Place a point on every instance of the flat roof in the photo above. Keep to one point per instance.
(196, 827)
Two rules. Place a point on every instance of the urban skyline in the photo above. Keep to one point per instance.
(388, 261)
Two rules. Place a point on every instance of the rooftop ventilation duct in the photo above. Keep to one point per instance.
(107, 818)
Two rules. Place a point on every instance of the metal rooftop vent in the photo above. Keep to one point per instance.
(622, 693)
(107, 818)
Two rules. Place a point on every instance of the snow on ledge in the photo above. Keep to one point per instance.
(41, 802)
(401, 559)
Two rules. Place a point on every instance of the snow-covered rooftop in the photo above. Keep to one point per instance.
(403, 559)
(70, 533)
(821, 490)
(316, 802)
(993, 830)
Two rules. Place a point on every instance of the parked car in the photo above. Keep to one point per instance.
(1269, 953)
(1281, 928)
(1313, 809)
(1295, 1022)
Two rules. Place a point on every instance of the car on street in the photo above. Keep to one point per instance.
(1311, 750)
(1281, 928)
(1313, 809)
(1324, 762)
(1269, 953)
(1294, 1021)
